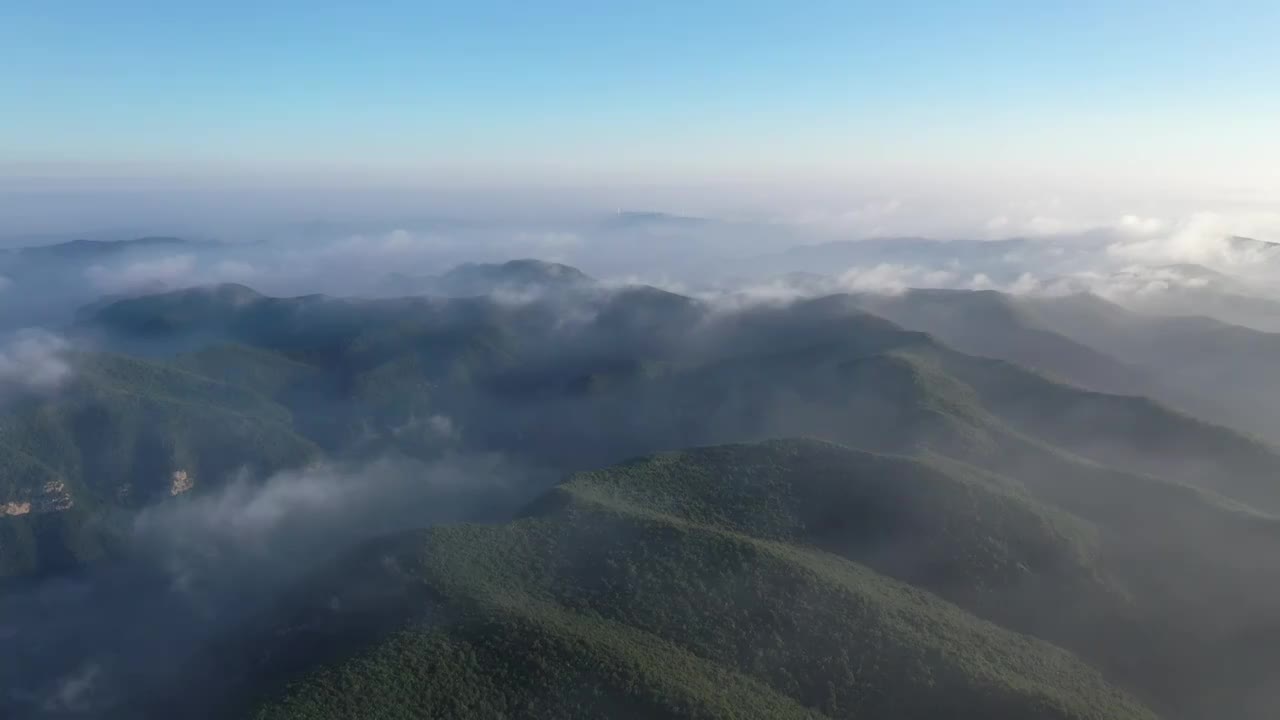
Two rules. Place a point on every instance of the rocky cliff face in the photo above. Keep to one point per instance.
(180, 482)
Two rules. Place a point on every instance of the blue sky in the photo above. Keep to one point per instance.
(653, 91)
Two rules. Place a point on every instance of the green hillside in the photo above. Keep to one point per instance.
(688, 585)
(513, 276)
(1195, 365)
(1229, 366)
(1146, 581)
(992, 324)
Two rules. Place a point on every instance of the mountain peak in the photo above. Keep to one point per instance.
(519, 275)
(520, 269)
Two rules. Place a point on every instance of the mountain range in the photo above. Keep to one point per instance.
(856, 505)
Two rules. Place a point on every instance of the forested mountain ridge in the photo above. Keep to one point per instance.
(797, 576)
(688, 585)
(233, 378)
(656, 351)
(1079, 553)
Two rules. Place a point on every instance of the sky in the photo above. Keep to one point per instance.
(1137, 96)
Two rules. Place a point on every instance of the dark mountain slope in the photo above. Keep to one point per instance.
(1231, 364)
(949, 528)
(990, 324)
(642, 369)
(482, 279)
(1126, 432)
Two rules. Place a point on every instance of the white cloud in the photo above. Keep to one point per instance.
(442, 425)
(550, 240)
(1209, 239)
(398, 244)
(981, 282)
(1133, 282)
(1137, 225)
(142, 275)
(245, 525)
(73, 691)
(436, 427)
(1046, 225)
(889, 278)
(1025, 284)
(1033, 225)
(233, 270)
(33, 360)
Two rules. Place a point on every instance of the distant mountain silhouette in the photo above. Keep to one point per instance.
(514, 276)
